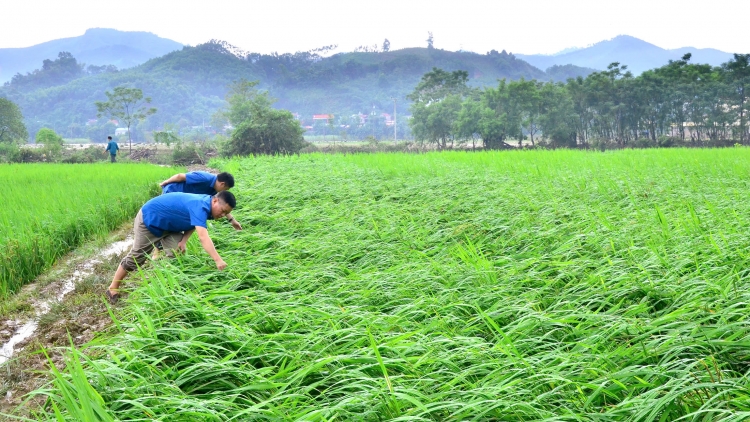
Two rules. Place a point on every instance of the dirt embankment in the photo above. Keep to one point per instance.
(65, 304)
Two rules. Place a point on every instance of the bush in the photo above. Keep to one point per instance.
(644, 143)
(665, 141)
(31, 155)
(193, 153)
(186, 154)
(272, 132)
(9, 152)
(89, 154)
(53, 143)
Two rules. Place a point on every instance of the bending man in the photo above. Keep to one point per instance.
(202, 183)
(172, 219)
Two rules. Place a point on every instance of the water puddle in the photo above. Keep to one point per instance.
(43, 306)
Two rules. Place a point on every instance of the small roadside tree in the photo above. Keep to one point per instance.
(259, 128)
(52, 142)
(270, 132)
(11, 122)
(126, 104)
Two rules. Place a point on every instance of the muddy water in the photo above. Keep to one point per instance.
(28, 328)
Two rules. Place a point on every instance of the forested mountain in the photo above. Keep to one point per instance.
(188, 86)
(637, 54)
(98, 47)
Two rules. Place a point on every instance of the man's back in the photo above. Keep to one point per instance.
(176, 212)
(196, 182)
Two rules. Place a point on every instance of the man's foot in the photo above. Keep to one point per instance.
(112, 297)
(158, 245)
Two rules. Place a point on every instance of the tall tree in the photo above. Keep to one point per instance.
(243, 101)
(386, 45)
(11, 122)
(526, 93)
(126, 104)
(437, 103)
(438, 84)
(738, 76)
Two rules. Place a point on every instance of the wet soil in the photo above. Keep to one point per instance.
(66, 304)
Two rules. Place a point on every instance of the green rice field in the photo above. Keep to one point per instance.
(48, 209)
(507, 286)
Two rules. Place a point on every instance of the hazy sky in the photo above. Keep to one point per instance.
(519, 26)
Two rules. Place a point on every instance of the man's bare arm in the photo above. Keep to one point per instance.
(233, 221)
(177, 178)
(208, 246)
(182, 245)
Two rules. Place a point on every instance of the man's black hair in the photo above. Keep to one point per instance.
(227, 178)
(109, 137)
(227, 197)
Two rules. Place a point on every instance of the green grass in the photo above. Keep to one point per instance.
(48, 209)
(513, 286)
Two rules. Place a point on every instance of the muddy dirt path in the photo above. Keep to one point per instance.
(69, 298)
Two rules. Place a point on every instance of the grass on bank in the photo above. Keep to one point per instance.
(541, 285)
(48, 209)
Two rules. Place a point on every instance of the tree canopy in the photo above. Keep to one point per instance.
(12, 127)
(679, 103)
(127, 105)
(259, 128)
(190, 85)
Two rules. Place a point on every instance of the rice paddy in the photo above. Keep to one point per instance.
(48, 209)
(513, 286)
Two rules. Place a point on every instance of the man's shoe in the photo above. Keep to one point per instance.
(112, 297)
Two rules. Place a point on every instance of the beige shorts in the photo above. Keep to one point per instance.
(143, 244)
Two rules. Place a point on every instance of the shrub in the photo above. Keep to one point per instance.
(89, 154)
(53, 143)
(9, 153)
(272, 132)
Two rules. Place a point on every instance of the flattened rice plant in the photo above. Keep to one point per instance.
(511, 286)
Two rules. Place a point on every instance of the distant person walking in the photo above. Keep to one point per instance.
(172, 219)
(202, 183)
(112, 148)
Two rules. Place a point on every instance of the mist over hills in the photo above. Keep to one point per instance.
(637, 54)
(97, 46)
(189, 85)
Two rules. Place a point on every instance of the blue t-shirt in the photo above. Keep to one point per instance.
(178, 212)
(112, 147)
(198, 182)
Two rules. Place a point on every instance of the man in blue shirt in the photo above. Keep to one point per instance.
(172, 219)
(203, 183)
(112, 148)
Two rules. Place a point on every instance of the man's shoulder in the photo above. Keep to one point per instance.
(200, 178)
(200, 174)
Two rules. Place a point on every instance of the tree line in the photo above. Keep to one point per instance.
(680, 103)
(187, 86)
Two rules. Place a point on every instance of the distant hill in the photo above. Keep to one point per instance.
(637, 54)
(98, 46)
(189, 85)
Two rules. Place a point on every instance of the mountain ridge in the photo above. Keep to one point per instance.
(190, 84)
(97, 46)
(637, 54)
